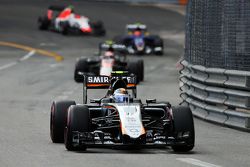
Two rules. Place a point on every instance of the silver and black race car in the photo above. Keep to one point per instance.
(111, 57)
(139, 42)
(120, 119)
(63, 19)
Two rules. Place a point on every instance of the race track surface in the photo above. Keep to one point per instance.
(30, 81)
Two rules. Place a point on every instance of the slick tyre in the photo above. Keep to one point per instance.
(159, 43)
(43, 23)
(141, 69)
(137, 67)
(183, 123)
(78, 119)
(58, 120)
(99, 29)
(65, 28)
(81, 66)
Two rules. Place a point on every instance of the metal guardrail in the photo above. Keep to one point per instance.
(217, 95)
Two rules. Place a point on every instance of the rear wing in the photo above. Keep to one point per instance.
(132, 27)
(114, 47)
(105, 82)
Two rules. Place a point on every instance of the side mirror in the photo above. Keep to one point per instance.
(95, 101)
(150, 101)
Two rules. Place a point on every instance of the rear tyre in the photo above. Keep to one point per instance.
(183, 123)
(159, 43)
(43, 23)
(58, 116)
(99, 29)
(141, 67)
(81, 66)
(137, 67)
(78, 119)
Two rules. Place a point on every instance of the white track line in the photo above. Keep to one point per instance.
(8, 65)
(56, 65)
(47, 44)
(197, 162)
(25, 57)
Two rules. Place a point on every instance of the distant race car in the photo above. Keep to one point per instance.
(111, 57)
(120, 119)
(63, 19)
(139, 42)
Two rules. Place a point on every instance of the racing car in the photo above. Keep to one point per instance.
(63, 19)
(120, 119)
(139, 42)
(111, 57)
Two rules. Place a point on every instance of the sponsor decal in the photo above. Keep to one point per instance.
(98, 79)
(114, 46)
(106, 79)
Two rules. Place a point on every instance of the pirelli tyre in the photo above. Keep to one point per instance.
(158, 43)
(98, 28)
(141, 69)
(183, 129)
(43, 23)
(81, 68)
(58, 116)
(65, 27)
(136, 66)
(78, 119)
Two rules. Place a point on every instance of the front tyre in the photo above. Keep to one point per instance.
(80, 67)
(58, 120)
(183, 125)
(64, 27)
(78, 119)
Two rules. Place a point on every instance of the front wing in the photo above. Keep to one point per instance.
(102, 140)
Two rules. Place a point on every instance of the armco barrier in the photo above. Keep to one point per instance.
(217, 95)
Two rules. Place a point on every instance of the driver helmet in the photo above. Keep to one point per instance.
(108, 54)
(121, 95)
(137, 33)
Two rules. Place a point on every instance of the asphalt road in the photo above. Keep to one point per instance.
(29, 82)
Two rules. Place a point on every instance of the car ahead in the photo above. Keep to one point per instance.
(63, 19)
(111, 57)
(120, 119)
(139, 42)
